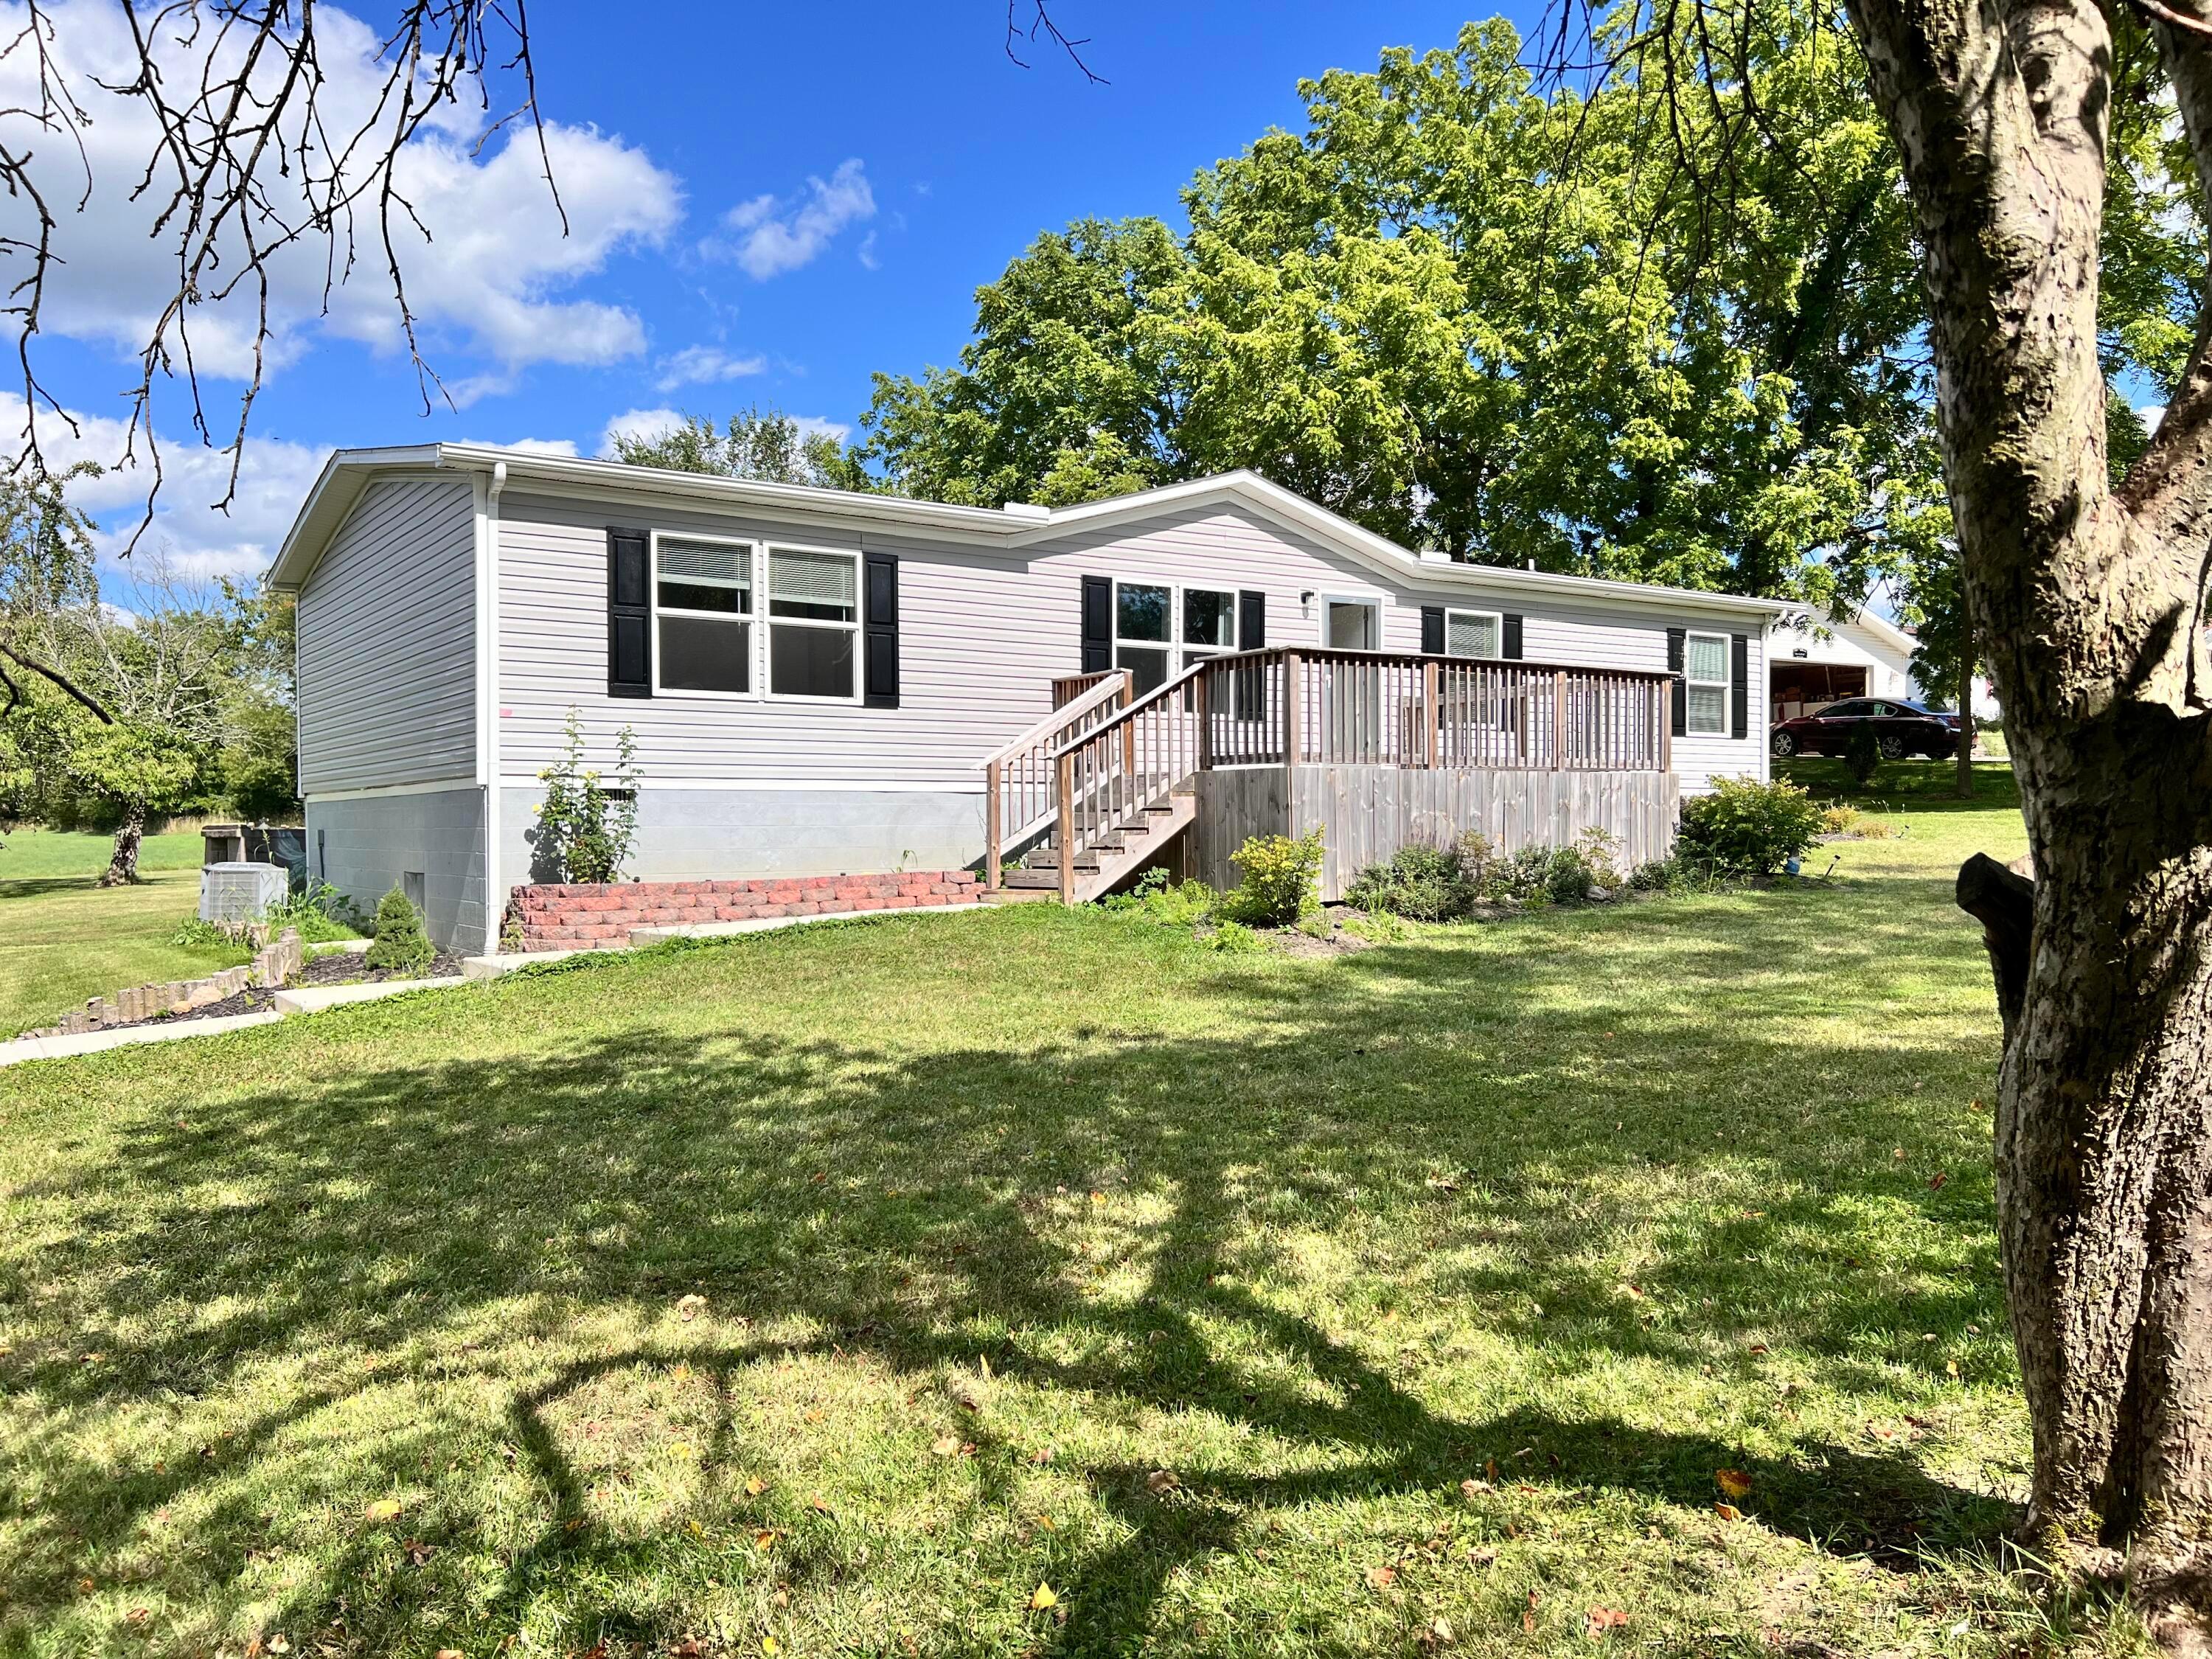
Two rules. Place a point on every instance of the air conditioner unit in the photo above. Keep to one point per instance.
(236, 892)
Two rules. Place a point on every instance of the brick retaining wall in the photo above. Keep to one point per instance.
(564, 915)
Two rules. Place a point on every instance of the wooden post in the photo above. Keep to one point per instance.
(1204, 701)
(1067, 829)
(1293, 733)
(995, 810)
(1559, 719)
(1665, 689)
(1431, 715)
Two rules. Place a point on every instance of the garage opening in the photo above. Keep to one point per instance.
(1801, 688)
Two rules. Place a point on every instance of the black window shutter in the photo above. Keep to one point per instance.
(1251, 621)
(1432, 630)
(1675, 639)
(630, 622)
(879, 631)
(1510, 648)
(1740, 686)
(1097, 624)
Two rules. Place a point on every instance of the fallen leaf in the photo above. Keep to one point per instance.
(1041, 1454)
(1382, 1577)
(1481, 1555)
(764, 1539)
(1047, 1523)
(573, 1523)
(1042, 1597)
(768, 1645)
(450, 1653)
(688, 1308)
(755, 1486)
(1602, 1620)
(1439, 1634)
(1734, 1482)
(946, 1445)
(1529, 1614)
(383, 1510)
(418, 1552)
(814, 1417)
(1727, 1511)
(1937, 1182)
(278, 1644)
(137, 1615)
(695, 1529)
(1470, 1489)
(1898, 1155)
(1161, 1481)
(820, 1505)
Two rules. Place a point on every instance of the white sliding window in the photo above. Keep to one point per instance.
(702, 597)
(1705, 667)
(813, 624)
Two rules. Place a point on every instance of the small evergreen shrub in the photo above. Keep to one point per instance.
(1744, 827)
(1279, 877)
(584, 831)
(1427, 884)
(400, 942)
(1862, 754)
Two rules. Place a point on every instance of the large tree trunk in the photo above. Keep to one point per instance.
(2086, 605)
(123, 867)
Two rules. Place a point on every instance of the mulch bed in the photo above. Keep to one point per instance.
(337, 968)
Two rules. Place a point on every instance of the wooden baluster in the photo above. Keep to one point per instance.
(1205, 720)
(1067, 829)
(1432, 724)
(1293, 710)
(1558, 720)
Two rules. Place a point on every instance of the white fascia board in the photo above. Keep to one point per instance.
(1378, 553)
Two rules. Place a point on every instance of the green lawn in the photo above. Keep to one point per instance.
(63, 939)
(1042, 1248)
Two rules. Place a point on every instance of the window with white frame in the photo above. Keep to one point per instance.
(1706, 668)
(1209, 623)
(702, 596)
(1144, 627)
(813, 624)
(1475, 634)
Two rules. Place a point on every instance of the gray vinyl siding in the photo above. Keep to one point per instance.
(982, 631)
(387, 643)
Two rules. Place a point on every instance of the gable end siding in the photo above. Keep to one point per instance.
(387, 643)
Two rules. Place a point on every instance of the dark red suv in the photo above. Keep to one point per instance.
(1900, 728)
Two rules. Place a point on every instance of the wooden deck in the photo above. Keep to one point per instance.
(1376, 749)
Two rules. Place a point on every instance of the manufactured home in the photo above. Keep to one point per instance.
(821, 682)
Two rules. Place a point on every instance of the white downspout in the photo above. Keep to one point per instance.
(494, 894)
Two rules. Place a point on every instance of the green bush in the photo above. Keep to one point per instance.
(1862, 754)
(1233, 938)
(1744, 827)
(1279, 874)
(1427, 884)
(400, 942)
(321, 914)
(585, 828)
(1155, 899)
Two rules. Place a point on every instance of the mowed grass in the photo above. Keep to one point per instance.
(63, 939)
(1042, 1248)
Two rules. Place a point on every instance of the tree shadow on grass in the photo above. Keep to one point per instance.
(888, 1202)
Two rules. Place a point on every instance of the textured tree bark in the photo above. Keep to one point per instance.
(123, 867)
(2087, 603)
(1965, 755)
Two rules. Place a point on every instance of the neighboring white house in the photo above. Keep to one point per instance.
(1867, 656)
(815, 678)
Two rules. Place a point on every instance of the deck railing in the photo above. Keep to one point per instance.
(1021, 793)
(1294, 706)
(1091, 768)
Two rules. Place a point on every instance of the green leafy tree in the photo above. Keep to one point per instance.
(764, 443)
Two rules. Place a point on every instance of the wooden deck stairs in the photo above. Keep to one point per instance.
(1108, 860)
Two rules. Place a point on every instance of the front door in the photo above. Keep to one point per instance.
(1352, 625)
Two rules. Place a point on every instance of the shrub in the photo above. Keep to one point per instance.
(583, 832)
(1233, 938)
(1428, 883)
(1839, 820)
(400, 943)
(1279, 878)
(1862, 754)
(321, 912)
(1746, 827)
(1155, 899)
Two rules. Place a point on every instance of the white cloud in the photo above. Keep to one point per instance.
(484, 288)
(2150, 414)
(638, 424)
(774, 235)
(537, 446)
(273, 480)
(867, 252)
(701, 365)
(808, 425)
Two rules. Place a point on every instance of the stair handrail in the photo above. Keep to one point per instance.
(1066, 714)
(1097, 772)
(1144, 702)
(1019, 776)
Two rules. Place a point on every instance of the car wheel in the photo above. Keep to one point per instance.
(1784, 744)
(1893, 748)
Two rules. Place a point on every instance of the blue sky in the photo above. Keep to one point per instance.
(769, 205)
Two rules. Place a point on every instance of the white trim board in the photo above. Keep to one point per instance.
(435, 786)
(961, 786)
